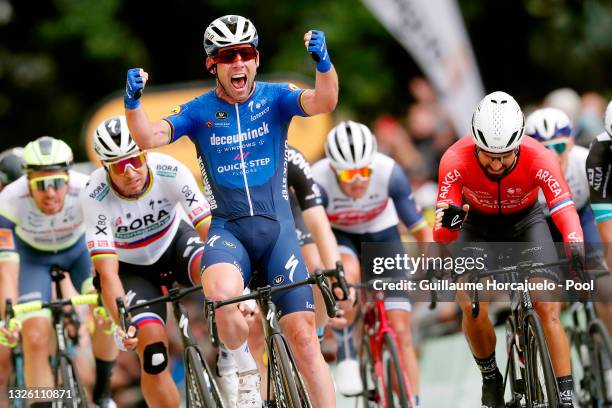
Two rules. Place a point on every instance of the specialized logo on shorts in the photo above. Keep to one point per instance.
(211, 241)
(6, 239)
(100, 192)
(291, 264)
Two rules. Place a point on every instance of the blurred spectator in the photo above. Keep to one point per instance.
(585, 112)
(394, 142)
(567, 100)
(590, 122)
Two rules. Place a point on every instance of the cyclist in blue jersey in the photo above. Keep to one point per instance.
(240, 133)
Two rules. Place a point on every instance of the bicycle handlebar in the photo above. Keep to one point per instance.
(318, 278)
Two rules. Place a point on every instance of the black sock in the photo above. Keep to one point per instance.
(41, 404)
(488, 369)
(566, 388)
(102, 390)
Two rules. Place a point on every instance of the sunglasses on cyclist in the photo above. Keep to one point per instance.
(558, 147)
(121, 166)
(348, 175)
(44, 183)
(227, 56)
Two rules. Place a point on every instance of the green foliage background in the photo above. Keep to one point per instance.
(58, 58)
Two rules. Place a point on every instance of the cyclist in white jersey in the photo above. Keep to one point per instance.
(364, 192)
(41, 226)
(135, 209)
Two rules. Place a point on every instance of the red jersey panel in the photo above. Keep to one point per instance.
(462, 180)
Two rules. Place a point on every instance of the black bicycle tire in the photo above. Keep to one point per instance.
(366, 362)
(582, 394)
(512, 371)
(597, 330)
(194, 376)
(536, 342)
(14, 381)
(299, 381)
(67, 370)
(280, 357)
(395, 367)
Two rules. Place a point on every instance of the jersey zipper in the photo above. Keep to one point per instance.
(246, 182)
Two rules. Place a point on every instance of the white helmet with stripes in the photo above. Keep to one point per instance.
(112, 139)
(350, 145)
(227, 31)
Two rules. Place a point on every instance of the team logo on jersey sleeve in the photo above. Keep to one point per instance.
(176, 110)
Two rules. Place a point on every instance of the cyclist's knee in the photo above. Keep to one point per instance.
(302, 335)
(154, 358)
(36, 336)
(222, 281)
(548, 312)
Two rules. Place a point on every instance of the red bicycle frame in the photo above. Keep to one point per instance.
(375, 325)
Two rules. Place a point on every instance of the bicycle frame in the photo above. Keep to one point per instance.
(375, 326)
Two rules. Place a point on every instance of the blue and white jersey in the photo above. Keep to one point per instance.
(242, 148)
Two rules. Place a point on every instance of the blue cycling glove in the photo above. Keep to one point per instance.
(133, 89)
(318, 51)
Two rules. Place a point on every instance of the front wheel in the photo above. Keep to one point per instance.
(397, 389)
(282, 371)
(602, 361)
(372, 395)
(200, 387)
(542, 388)
(67, 381)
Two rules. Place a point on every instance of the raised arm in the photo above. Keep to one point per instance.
(146, 134)
(324, 97)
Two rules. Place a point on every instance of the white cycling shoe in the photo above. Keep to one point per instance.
(348, 380)
(228, 387)
(248, 390)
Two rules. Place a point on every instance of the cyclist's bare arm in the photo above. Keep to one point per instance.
(324, 97)
(318, 225)
(107, 269)
(147, 134)
(605, 232)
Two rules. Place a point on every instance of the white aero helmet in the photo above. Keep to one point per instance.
(227, 31)
(112, 139)
(608, 119)
(498, 123)
(350, 145)
(548, 124)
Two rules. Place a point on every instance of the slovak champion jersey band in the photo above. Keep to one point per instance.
(387, 196)
(139, 230)
(462, 179)
(241, 148)
(41, 231)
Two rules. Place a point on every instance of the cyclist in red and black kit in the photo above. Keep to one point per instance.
(495, 176)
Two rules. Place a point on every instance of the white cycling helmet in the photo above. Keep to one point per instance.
(112, 139)
(608, 119)
(227, 31)
(498, 123)
(350, 145)
(547, 124)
